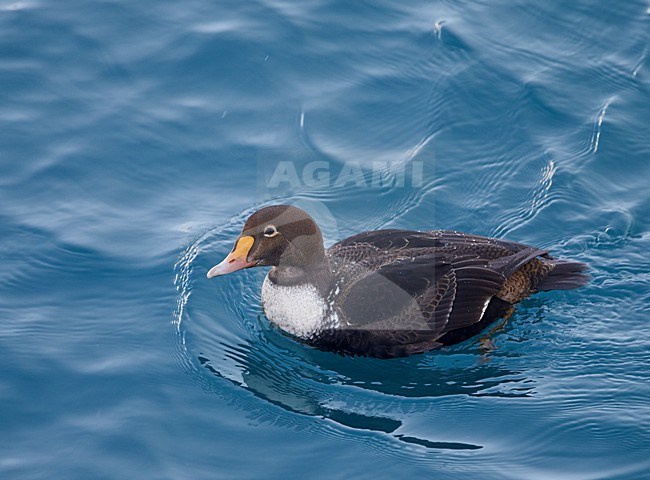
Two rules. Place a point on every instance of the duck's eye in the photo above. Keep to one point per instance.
(270, 231)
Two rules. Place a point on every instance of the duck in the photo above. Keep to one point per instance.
(388, 293)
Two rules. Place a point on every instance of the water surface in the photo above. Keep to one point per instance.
(135, 139)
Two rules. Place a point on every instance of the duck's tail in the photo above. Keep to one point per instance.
(566, 275)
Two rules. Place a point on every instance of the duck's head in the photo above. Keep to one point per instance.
(280, 235)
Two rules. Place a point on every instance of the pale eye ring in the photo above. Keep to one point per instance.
(270, 231)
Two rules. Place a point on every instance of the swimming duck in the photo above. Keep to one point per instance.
(388, 293)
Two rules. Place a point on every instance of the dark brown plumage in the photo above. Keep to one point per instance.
(389, 293)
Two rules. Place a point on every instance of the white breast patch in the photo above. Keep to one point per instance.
(299, 310)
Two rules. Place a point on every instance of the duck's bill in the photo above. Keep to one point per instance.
(236, 260)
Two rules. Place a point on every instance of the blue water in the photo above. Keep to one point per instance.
(136, 137)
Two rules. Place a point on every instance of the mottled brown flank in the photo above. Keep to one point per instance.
(524, 281)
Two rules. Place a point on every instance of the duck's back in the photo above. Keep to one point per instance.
(400, 292)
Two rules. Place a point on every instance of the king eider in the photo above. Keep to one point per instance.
(388, 293)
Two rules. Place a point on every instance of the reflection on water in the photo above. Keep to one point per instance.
(281, 391)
